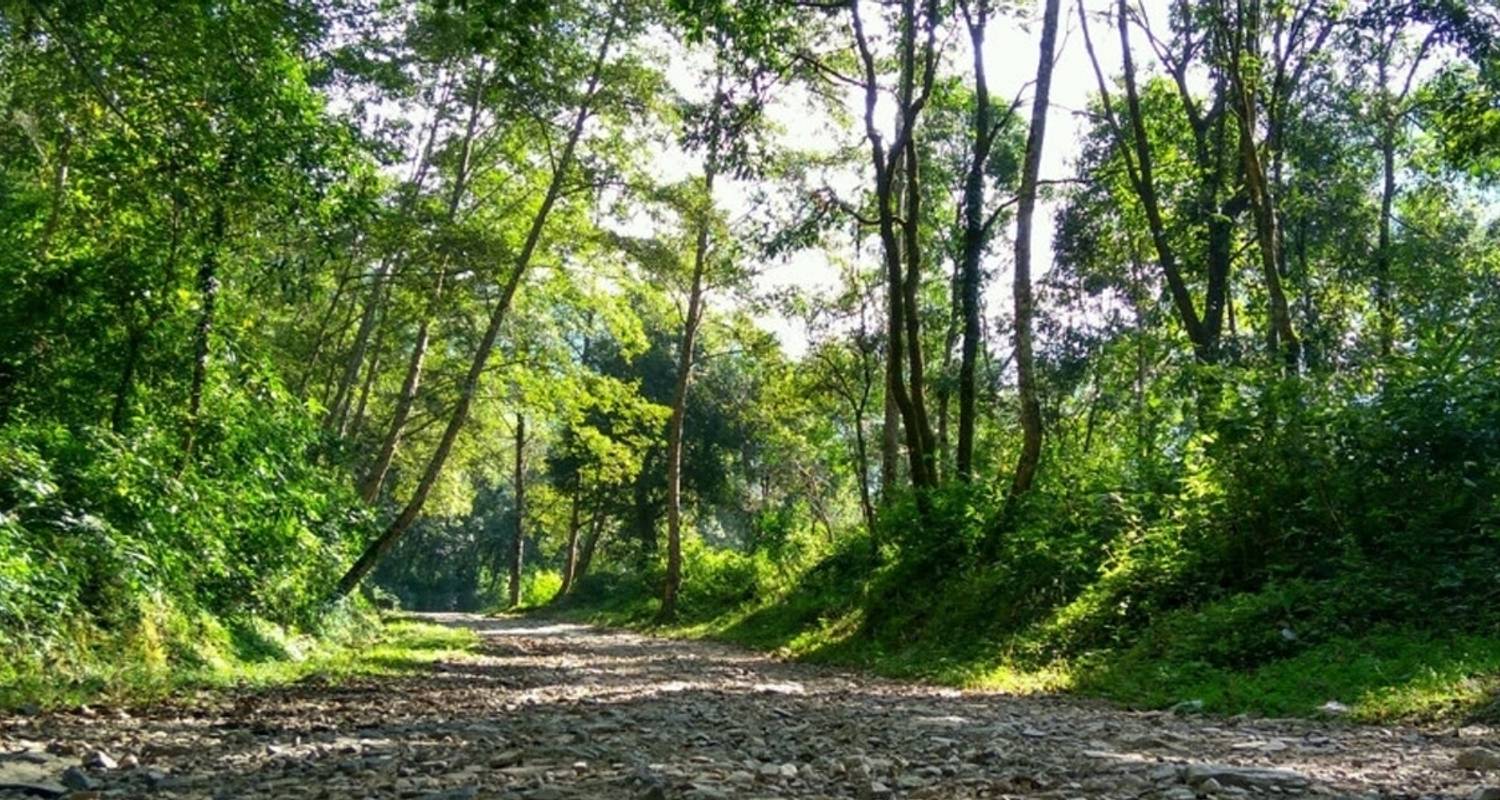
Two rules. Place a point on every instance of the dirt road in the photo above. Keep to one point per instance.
(551, 711)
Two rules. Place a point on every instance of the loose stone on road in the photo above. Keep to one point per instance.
(553, 711)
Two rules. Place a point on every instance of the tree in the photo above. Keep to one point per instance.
(1030, 407)
(581, 113)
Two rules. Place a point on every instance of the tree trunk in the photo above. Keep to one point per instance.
(912, 316)
(890, 431)
(673, 580)
(371, 373)
(369, 488)
(1135, 150)
(590, 543)
(470, 387)
(570, 553)
(1030, 406)
(1384, 308)
(375, 478)
(975, 236)
(208, 295)
(887, 163)
(1281, 338)
(518, 544)
(121, 405)
(338, 413)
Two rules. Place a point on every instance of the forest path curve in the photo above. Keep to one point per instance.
(551, 710)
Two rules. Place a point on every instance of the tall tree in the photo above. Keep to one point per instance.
(1030, 406)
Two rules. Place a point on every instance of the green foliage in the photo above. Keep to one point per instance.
(96, 529)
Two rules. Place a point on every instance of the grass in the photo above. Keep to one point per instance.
(1229, 654)
(246, 654)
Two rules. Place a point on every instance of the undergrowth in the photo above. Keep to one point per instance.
(1296, 557)
(175, 654)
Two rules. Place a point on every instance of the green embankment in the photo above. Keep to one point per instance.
(1286, 648)
(176, 655)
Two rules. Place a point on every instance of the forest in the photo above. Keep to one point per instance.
(1145, 349)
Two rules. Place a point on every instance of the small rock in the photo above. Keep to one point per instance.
(875, 790)
(1485, 793)
(98, 759)
(1333, 708)
(788, 771)
(1188, 707)
(1478, 759)
(461, 793)
(911, 781)
(1180, 793)
(1244, 777)
(78, 780)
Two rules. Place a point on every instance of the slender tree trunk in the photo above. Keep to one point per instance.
(59, 188)
(974, 238)
(375, 478)
(121, 405)
(518, 544)
(673, 580)
(1135, 149)
(371, 373)
(470, 386)
(888, 165)
(1281, 338)
(912, 317)
(570, 553)
(338, 414)
(208, 295)
(1031, 410)
(1384, 307)
(590, 544)
(890, 434)
(310, 364)
(369, 488)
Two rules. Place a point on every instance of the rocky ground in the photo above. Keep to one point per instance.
(553, 711)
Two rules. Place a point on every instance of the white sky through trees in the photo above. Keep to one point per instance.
(1010, 60)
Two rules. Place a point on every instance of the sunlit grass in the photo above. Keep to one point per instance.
(1399, 674)
(245, 656)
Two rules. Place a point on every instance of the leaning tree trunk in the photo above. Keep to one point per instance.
(369, 488)
(470, 386)
(1281, 338)
(1030, 407)
(375, 478)
(338, 414)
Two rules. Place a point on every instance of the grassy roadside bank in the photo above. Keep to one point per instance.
(1198, 658)
(151, 664)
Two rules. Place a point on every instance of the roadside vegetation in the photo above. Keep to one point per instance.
(858, 331)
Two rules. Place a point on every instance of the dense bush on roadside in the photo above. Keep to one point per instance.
(108, 542)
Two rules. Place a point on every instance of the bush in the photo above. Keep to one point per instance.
(105, 537)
